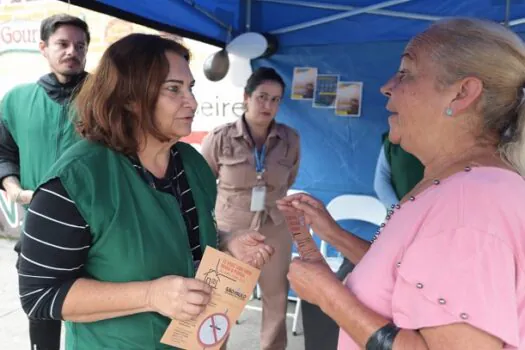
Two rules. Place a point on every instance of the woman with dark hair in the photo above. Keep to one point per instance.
(256, 160)
(118, 227)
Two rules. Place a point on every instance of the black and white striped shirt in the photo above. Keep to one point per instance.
(56, 239)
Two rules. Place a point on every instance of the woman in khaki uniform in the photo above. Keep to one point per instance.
(256, 160)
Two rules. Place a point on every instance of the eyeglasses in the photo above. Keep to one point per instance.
(264, 98)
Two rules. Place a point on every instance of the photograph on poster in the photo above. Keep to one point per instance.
(349, 98)
(303, 83)
(325, 91)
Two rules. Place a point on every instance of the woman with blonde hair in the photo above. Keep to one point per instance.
(447, 269)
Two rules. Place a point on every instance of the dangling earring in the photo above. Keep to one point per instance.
(449, 112)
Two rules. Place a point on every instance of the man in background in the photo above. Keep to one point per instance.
(36, 129)
(397, 173)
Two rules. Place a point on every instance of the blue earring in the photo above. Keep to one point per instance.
(449, 112)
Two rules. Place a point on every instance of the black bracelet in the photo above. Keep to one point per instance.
(383, 338)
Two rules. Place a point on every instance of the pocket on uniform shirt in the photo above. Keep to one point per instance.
(286, 162)
(232, 160)
(233, 216)
(278, 174)
(236, 172)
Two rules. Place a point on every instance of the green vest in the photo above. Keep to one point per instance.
(40, 127)
(406, 170)
(138, 234)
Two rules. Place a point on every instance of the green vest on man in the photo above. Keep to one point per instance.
(406, 170)
(42, 136)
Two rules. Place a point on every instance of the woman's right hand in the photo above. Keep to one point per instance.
(314, 211)
(178, 297)
(24, 197)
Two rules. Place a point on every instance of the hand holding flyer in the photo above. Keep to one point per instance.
(304, 242)
(233, 282)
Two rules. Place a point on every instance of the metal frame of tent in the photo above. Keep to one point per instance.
(379, 9)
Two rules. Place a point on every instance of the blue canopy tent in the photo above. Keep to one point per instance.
(303, 22)
(361, 40)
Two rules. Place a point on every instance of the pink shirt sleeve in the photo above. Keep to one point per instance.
(461, 275)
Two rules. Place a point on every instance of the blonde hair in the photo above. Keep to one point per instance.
(465, 47)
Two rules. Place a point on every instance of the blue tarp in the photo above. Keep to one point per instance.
(338, 153)
(397, 22)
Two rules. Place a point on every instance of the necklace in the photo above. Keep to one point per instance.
(475, 158)
(411, 198)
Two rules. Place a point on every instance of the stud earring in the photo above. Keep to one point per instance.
(449, 111)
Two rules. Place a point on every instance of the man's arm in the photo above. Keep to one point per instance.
(382, 181)
(9, 163)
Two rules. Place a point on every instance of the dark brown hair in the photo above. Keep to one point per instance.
(117, 102)
(50, 25)
(261, 75)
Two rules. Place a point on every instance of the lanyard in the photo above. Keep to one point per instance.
(259, 159)
(260, 156)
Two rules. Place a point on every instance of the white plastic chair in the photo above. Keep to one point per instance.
(357, 207)
(353, 207)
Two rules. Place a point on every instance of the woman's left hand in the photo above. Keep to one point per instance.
(249, 247)
(310, 279)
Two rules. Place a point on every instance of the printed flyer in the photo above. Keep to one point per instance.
(303, 84)
(233, 283)
(325, 91)
(303, 240)
(349, 96)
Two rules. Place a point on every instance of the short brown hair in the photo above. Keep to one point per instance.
(118, 100)
(50, 25)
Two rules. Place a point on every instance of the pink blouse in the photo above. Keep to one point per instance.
(456, 253)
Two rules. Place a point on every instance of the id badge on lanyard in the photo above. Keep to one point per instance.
(259, 191)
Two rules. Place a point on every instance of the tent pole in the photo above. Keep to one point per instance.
(507, 14)
(325, 6)
(209, 15)
(248, 15)
(516, 22)
(336, 17)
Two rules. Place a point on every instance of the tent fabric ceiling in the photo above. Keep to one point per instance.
(211, 21)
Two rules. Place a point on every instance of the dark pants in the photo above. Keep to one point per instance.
(43, 335)
(320, 331)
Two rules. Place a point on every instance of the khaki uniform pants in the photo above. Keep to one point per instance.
(273, 283)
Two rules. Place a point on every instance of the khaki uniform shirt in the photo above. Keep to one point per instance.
(229, 151)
